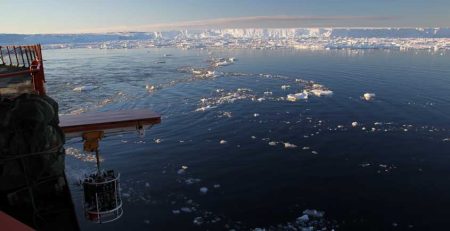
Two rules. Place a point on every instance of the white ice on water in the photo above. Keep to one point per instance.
(204, 190)
(297, 96)
(289, 145)
(85, 88)
(369, 96)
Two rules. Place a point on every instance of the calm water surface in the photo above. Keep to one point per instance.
(389, 172)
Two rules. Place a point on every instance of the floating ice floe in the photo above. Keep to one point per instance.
(85, 88)
(150, 88)
(314, 213)
(198, 221)
(223, 98)
(316, 89)
(205, 108)
(289, 145)
(320, 92)
(176, 211)
(223, 62)
(285, 87)
(355, 124)
(303, 218)
(182, 170)
(186, 210)
(369, 96)
(204, 190)
(226, 114)
(297, 96)
(203, 73)
(192, 181)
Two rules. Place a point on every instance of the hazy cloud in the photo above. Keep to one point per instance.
(281, 21)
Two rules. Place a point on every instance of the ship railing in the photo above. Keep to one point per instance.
(20, 61)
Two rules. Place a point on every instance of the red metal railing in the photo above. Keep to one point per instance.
(24, 60)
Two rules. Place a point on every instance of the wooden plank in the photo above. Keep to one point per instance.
(104, 121)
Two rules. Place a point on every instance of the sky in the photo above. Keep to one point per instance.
(91, 16)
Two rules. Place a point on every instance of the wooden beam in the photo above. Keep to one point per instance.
(113, 121)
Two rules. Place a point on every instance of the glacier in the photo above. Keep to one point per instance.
(257, 38)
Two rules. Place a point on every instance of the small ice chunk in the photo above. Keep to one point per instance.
(304, 218)
(320, 92)
(340, 126)
(253, 137)
(198, 221)
(261, 99)
(256, 114)
(297, 96)
(268, 93)
(216, 186)
(150, 88)
(369, 96)
(85, 88)
(305, 148)
(284, 87)
(191, 181)
(176, 211)
(147, 184)
(182, 170)
(272, 143)
(158, 141)
(223, 142)
(314, 213)
(186, 210)
(204, 190)
(314, 152)
(289, 145)
(354, 124)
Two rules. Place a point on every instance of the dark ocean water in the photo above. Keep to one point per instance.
(391, 171)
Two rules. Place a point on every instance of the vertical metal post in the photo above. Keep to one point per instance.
(1, 55)
(21, 54)
(28, 59)
(98, 161)
(9, 55)
(32, 53)
(15, 53)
